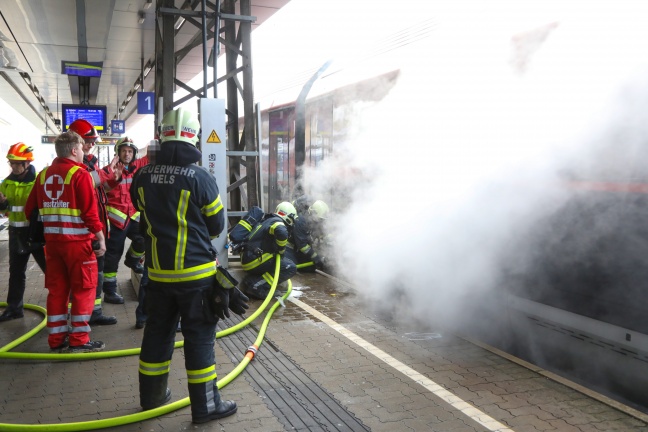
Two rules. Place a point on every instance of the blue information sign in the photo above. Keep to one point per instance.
(118, 126)
(145, 103)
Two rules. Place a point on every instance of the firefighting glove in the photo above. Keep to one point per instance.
(238, 301)
(219, 302)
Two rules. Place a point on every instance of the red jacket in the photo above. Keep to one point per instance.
(64, 194)
(120, 207)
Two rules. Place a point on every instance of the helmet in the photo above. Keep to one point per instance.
(179, 125)
(125, 141)
(319, 209)
(20, 152)
(85, 129)
(287, 212)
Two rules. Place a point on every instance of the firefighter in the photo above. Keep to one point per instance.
(90, 137)
(14, 191)
(181, 213)
(123, 218)
(65, 198)
(267, 239)
(306, 233)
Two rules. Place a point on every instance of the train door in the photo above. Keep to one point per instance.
(281, 176)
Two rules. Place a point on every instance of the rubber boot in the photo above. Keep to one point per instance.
(97, 317)
(206, 403)
(153, 391)
(133, 263)
(256, 287)
(110, 290)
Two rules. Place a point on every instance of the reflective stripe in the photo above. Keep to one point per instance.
(60, 211)
(305, 249)
(58, 329)
(192, 273)
(273, 226)
(79, 318)
(95, 178)
(59, 218)
(201, 375)
(181, 215)
(153, 369)
(281, 243)
(68, 177)
(68, 231)
(18, 224)
(81, 329)
(17, 208)
(57, 318)
(116, 215)
(213, 208)
(245, 225)
(255, 263)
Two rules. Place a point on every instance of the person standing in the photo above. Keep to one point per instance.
(14, 191)
(181, 212)
(123, 217)
(65, 198)
(90, 137)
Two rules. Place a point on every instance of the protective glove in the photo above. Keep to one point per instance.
(220, 302)
(238, 301)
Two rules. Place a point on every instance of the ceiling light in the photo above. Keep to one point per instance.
(140, 17)
(179, 23)
(148, 4)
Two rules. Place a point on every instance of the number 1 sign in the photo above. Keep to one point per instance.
(145, 103)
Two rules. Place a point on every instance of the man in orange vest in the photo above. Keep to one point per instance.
(65, 198)
(123, 217)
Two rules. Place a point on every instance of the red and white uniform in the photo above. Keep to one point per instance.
(120, 207)
(64, 194)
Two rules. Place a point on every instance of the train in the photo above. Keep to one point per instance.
(578, 302)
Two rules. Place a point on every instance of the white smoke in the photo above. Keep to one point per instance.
(458, 163)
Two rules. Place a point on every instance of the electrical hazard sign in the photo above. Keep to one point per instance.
(213, 138)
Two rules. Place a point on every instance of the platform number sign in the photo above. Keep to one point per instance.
(118, 126)
(145, 103)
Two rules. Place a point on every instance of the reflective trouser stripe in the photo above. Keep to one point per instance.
(154, 369)
(201, 375)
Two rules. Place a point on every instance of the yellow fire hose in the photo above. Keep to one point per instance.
(144, 415)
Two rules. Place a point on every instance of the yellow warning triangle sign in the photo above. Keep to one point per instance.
(213, 138)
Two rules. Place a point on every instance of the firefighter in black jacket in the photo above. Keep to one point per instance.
(267, 239)
(182, 212)
(307, 231)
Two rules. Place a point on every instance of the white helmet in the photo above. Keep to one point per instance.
(319, 209)
(180, 125)
(287, 212)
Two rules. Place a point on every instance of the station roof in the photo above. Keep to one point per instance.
(39, 37)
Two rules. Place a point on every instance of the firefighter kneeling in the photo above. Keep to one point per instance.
(270, 236)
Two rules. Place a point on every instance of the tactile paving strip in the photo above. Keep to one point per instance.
(295, 399)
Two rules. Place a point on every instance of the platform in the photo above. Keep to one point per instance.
(330, 361)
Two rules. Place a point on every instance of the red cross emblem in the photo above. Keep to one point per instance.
(54, 187)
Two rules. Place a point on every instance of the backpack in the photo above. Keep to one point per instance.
(239, 235)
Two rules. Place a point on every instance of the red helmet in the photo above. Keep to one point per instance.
(20, 152)
(85, 129)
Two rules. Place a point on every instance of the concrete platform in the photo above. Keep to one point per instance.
(330, 361)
